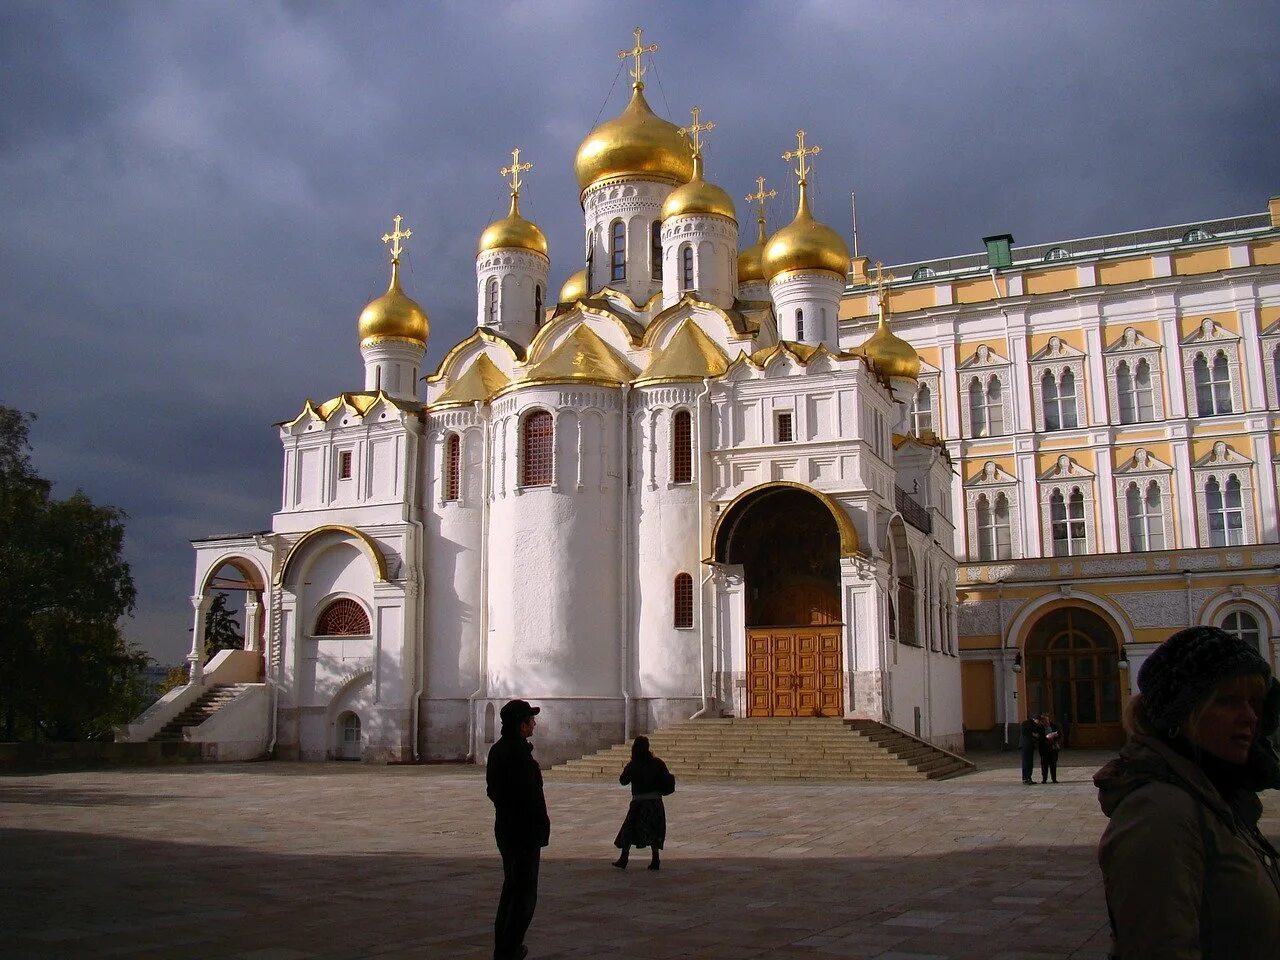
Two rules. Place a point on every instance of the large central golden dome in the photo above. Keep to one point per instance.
(805, 244)
(636, 143)
(393, 316)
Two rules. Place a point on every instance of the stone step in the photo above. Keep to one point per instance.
(209, 703)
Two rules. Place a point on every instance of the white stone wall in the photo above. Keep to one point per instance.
(520, 275)
(714, 242)
(638, 204)
(816, 295)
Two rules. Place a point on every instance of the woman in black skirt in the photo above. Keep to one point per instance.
(646, 823)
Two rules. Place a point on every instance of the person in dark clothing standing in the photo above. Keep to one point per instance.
(646, 823)
(1028, 741)
(521, 826)
(1050, 744)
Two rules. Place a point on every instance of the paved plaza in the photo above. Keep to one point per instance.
(277, 861)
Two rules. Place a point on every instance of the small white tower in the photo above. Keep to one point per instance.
(752, 283)
(699, 234)
(806, 263)
(393, 332)
(511, 268)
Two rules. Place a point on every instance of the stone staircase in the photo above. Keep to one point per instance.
(777, 748)
(210, 702)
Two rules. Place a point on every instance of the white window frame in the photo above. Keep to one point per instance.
(1270, 352)
(983, 365)
(930, 382)
(1130, 348)
(1222, 464)
(1057, 358)
(1259, 618)
(1142, 469)
(1208, 339)
(1064, 478)
(992, 482)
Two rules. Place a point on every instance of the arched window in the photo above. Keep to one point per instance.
(343, 618)
(1134, 397)
(986, 407)
(537, 306)
(922, 411)
(1125, 399)
(993, 528)
(1145, 514)
(1066, 517)
(1056, 253)
(922, 273)
(1243, 625)
(618, 251)
(682, 596)
(452, 466)
(1058, 397)
(538, 434)
(1275, 362)
(682, 447)
(686, 267)
(491, 301)
(1213, 384)
(800, 325)
(1226, 512)
(1196, 235)
(977, 408)
(655, 249)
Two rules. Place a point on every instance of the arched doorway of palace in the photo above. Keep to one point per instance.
(1072, 672)
(788, 543)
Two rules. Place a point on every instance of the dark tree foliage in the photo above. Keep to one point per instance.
(221, 629)
(66, 672)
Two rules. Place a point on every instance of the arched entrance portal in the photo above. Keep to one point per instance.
(788, 544)
(1072, 672)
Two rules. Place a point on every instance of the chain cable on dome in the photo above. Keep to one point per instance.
(653, 62)
(596, 122)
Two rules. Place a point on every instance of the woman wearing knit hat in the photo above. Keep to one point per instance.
(1186, 869)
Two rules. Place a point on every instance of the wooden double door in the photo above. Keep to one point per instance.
(794, 671)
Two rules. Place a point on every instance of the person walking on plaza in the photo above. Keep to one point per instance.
(1187, 872)
(1028, 740)
(646, 822)
(521, 826)
(1050, 744)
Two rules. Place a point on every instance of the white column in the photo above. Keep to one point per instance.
(1099, 414)
(1106, 493)
(195, 659)
(1171, 346)
(1255, 381)
(1185, 487)
(252, 612)
(1265, 482)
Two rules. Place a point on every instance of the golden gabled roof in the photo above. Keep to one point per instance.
(360, 403)
(581, 356)
(689, 355)
(480, 382)
(801, 351)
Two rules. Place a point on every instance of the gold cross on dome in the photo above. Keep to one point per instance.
(695, 129)
(514, 170)
(394, 238)
(801, 152)
(883, 280)
(638, 51)
(760, 196)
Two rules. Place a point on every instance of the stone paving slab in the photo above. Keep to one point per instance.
(279, 861)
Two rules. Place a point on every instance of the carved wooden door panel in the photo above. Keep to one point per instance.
(794, 672)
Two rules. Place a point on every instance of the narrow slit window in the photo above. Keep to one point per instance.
(686, 267)
(618, 251)
(785, 430)
(535, 459)
(683, 601)
(655, 249)
(344, 465)
(682, 447)
(453, 466)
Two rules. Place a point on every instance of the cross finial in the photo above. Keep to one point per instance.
(760, 196)
(638, 51)
(394, 237)
(695, 129)
(883, 280)
(514, 170)
(801, 153)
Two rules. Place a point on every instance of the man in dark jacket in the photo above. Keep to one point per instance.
(521, 826)
(1028, 740)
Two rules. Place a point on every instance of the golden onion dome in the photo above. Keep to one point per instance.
(575, 288)
(394, 315)
(636, 143)
(889, 353)
(805, 244)
(698, 197)
(751, 260)
(513, 232)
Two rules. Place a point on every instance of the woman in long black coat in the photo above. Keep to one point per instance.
(646, 823)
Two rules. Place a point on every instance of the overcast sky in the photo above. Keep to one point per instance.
(192, 194)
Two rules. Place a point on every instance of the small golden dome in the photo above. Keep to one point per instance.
(751, 260)
(698, 197)
(575, 288)
(394, 315)
(636, 143)
(513, 232)
(805, 244)
(890, 354)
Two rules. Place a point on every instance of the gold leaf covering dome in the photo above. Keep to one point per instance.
(394, 315)
(513, 232)
(575, 288)
(805, 244)
(698, 197)
(636, 143)
(888, 352)
(751, 263)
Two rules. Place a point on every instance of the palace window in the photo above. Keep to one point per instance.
(1145, 514)
(537, 306)
(618, 251)
(784, 432)
(1058, 396)
(1275, 375)
(1056, 253)
(986, 407)
(682, 596)
(344, 465)
(491, 299)
(537, 436)
(923, 273)
(1243, 625)
(686, 267)
(343, 618)
(922, 411)
(682, 447)
(1213, 384)
(1196, 235)
(994, 541)
(1067, 522)
(1134, 394)
(655, 250)
(1225, 511)
(452, 466)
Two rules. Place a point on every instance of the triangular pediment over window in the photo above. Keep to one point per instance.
(1210, 331)
(1056, 349)
(1132, 340)
(1143, 462)
(1223, 455)
(1066, 469)
(984, 356)
(991, 474)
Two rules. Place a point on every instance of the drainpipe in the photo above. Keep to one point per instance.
(624, 608)
(704, 418)
(486, 421)
(420, 576)
(1004, 706)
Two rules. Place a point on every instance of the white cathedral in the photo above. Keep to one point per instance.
(674, 490)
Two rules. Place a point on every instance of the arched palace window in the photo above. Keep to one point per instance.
(1213, 384)
(1145, 514)
(682, 447)
(986, 407)
(343, 618)
(1134, 395)
(682, 591)
(537, 434)
(1243, 625)
(452, 467)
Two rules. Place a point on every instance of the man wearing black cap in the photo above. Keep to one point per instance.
(521, 826)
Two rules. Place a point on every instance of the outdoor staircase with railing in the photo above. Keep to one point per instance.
(778, 748)
(209, 703)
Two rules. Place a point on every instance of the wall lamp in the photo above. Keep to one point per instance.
(1017, 662)
(1123, 662)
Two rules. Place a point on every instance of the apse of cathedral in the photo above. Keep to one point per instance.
(741, 473)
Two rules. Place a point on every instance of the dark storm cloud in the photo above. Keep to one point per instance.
(191, 194)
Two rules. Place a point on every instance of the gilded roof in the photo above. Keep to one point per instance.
(689, 355)
(359, 403)
(480, 382)
(581, 356)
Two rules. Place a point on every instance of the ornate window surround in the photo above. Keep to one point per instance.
(983, 364)
(1132, 347)
(1209, 338)
(1221, 463)
(991, 482)
(1143, 468)
(1057, 357)
(1271, 344)
(929, 377)
(1064, 477)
